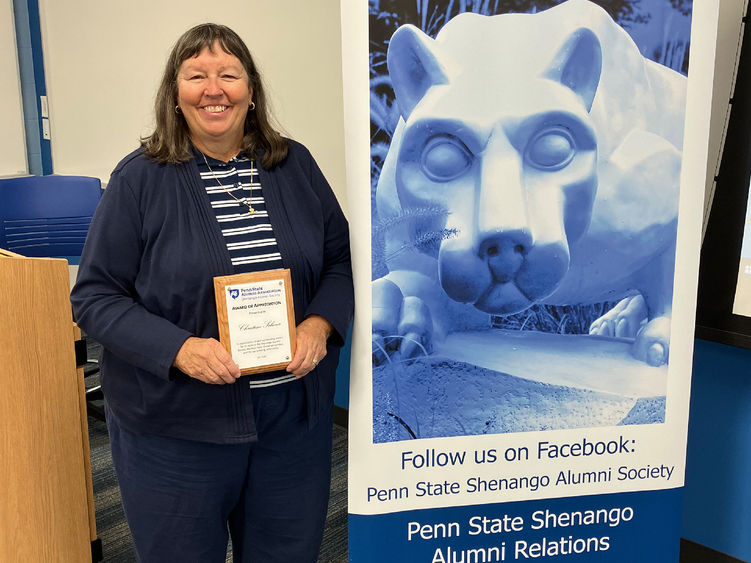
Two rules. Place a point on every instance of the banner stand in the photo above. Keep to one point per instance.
(525, 276)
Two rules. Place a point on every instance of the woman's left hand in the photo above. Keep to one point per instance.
(312, 335)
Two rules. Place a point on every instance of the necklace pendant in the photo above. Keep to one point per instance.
(228, 189)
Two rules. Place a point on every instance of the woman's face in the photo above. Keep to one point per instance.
(213, 94)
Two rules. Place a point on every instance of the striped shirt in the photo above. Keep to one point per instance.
(234, 189)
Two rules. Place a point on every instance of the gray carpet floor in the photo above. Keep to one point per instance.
(113, 531)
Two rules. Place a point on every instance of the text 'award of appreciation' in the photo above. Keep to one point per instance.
(256, 319)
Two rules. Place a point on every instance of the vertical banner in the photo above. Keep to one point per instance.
(526, 186)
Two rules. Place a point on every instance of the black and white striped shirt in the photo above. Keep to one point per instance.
(248, 234)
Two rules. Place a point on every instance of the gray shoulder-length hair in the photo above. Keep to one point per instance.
(170, 141)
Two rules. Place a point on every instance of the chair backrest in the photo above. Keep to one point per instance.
(47, 216)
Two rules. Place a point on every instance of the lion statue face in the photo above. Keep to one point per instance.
(514, 174)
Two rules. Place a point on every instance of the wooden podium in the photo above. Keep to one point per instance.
(46, 494)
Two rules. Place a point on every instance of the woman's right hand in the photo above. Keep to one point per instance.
(206, 359)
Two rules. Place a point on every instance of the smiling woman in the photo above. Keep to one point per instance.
(215, 191)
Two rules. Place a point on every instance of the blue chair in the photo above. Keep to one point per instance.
(47, 216)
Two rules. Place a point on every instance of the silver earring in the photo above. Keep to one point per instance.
(177, 110)
(252, 105)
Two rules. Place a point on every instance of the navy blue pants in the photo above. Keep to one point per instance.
(182, 497)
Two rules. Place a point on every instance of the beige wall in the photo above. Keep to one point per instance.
(12, 143)
(103, 61)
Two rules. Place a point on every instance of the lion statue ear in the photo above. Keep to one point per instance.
(578, 64)
(413, 67)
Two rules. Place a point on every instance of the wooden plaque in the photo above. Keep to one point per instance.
(256, 319)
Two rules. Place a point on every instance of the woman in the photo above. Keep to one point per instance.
(197, 448)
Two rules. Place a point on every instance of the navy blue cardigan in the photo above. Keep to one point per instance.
(145, 285)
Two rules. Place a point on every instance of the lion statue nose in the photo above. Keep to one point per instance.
(504, 254)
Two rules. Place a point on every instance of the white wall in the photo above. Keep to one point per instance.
(12, 140)
(103, 62)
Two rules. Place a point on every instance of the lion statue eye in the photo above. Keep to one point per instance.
(445, 158)
(551, 150)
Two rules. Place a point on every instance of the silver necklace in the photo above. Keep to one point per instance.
(244, 201)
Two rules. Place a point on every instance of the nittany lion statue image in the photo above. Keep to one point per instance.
(536, 161)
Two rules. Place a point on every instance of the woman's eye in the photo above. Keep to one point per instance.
(551, 149)
(445, 158)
